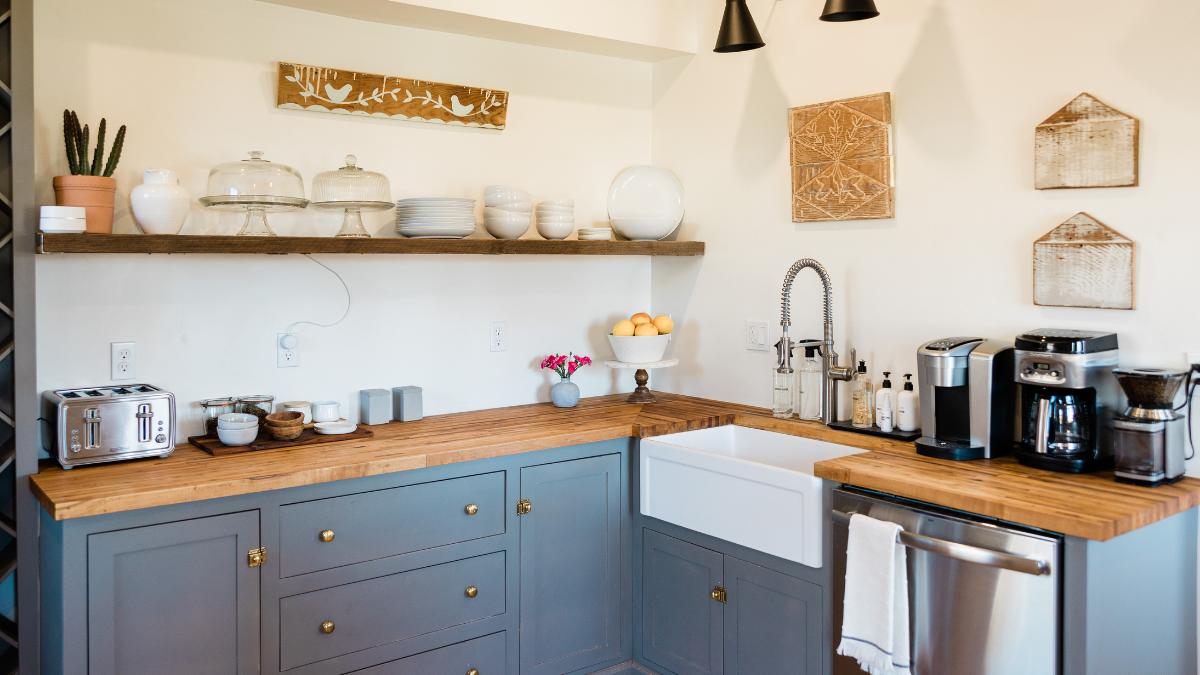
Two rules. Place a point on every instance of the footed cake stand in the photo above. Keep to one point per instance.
(642, 394)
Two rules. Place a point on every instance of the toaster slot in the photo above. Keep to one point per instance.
(91, 428)
(145, 418)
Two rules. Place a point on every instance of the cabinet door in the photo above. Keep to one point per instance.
(571, 565)
(681, 623)
(772, 622)
(174, 598)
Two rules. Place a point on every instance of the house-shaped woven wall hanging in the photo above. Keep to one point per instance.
(1084, 263)
(1086, 144)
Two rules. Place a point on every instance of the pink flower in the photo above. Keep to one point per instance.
(571, 367)
(560, 362)
(584, 360)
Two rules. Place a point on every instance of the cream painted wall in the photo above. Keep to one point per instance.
(195, 83)
(970, 79)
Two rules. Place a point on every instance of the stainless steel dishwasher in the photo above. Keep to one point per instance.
(984, 596)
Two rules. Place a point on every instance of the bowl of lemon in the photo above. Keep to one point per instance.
(641, 338)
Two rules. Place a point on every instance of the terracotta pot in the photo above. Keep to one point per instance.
(94, 193)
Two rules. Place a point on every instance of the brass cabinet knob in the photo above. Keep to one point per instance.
(471, 509)
(472, 671)
(326, 536)
(327, 627)
(472, 591)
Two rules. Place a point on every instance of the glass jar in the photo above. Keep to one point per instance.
(255, 186)
(353, 190)
(212, 408)
(259, 405)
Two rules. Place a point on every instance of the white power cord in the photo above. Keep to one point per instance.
(292, 327)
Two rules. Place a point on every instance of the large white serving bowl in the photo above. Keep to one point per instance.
(652, 195)
(639, 349)
(644, 229)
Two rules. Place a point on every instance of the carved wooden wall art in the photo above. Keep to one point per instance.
(345, 91)
(841, 156)
(1084, 263)
(1086, 144)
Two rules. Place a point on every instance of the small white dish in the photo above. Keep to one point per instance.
(235, 421)
(236, 437)
(334, 428)
(326, 411)
(506, 229)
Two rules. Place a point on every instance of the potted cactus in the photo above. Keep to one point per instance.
(90, 184)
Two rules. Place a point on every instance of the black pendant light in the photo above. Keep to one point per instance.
(738, 32)
(849, 10)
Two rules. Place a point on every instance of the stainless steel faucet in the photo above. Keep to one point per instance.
(831, 372)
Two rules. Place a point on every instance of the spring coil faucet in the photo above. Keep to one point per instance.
(831, 372)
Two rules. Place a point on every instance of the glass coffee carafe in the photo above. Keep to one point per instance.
(1059, 422)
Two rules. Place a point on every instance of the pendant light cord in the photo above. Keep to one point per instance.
(292, 327)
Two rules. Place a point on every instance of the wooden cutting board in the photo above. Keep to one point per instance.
(213, 446)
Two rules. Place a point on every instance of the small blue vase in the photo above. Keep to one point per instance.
(565, 394)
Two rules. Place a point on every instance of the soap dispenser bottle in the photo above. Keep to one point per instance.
(885, 404)
(907, 406)
(809, 375)
(861, 397)
(783, 379)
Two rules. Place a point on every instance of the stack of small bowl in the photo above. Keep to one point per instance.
(556, 218)
(237, 428)
(285, 426)
(507, 211)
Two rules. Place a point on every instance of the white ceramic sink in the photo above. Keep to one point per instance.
(752, 487)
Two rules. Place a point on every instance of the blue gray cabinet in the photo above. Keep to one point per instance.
(174, 598)
(708, 613)
(571, 556)
(484, 656)
(681, 625)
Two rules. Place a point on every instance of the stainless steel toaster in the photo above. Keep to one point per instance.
(111, 423)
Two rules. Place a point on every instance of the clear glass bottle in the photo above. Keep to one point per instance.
(809, 376)
(784, 400)
(863, 399)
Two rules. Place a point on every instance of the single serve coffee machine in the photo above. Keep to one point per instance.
(1067, 398)
(967, 398)
(1150, 438)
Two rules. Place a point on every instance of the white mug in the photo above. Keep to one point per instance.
(326, 411)
(300, 407)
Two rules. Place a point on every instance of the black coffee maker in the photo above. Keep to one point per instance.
(1067, 395)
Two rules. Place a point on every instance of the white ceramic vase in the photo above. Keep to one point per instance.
(160, 204)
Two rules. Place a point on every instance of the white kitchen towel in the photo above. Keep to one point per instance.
(875, 615)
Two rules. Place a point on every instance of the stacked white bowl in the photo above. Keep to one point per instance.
(237, 428)
(556, 218)
(507, 211)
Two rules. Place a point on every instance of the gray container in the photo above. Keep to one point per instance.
(406, 404)
(374, 406)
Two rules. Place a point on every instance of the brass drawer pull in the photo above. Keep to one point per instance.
(326, 536)
(327, 627)
(524, 507)
(472, 591)
(471, 509)
(472, 671)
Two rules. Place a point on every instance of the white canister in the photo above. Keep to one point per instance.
(326, 411)
(160, 204)
(303, 407)
(63, 219)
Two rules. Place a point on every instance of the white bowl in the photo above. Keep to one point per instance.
(237, 436)
(504, 214)
(510, 204)
(334, 428)
(639, 349)
(555, 229)
(646, 229)
(506, 229)
(235, 421)
(560, 203)
(554, 208)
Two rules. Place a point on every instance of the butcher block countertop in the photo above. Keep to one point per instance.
(1090, 506)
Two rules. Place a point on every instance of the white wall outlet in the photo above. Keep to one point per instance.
(758, 336)
(498, 337)
(287, 350)
(123, 360)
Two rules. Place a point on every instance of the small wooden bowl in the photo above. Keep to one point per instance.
(285, 420)
(285, 433)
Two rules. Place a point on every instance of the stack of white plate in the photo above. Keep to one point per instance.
(435, 217)
(595, 233)
(507, 211)
(556, 219)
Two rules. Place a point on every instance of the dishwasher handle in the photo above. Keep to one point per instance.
(965, 552)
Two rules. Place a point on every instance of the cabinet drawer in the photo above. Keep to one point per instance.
(329, 533)
(377, 611)
(485, 655)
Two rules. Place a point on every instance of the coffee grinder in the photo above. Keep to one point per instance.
(1150, 438)
(1067, 399)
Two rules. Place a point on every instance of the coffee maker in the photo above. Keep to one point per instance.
(1067, 398)
(1150, 438)
(966, 398)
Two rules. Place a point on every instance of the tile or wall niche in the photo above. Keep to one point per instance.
(1083, 263)
(842, 159)
(1086, 144)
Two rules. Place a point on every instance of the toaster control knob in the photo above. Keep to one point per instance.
(76, 447)
(161, 438)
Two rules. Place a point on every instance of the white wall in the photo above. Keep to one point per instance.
(970, 79)
(195, 83)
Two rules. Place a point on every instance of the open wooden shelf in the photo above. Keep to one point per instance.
(185, 243)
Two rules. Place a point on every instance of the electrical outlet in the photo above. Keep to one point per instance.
(123, 360)
(498, 337)
(287, 352)
(757, 336)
